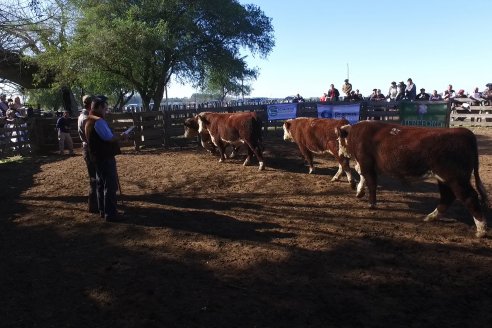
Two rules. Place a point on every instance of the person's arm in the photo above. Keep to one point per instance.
(104, 132)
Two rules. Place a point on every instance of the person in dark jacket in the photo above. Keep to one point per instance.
(91, 168)
(103, 147)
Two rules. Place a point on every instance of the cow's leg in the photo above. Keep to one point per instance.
(336, 177)
(447, 198)
(343, 166)
(372, 182)
(235, 150)
(361, 186)
(465, 193)
(221, 147)
(248, 158)
(255, 148)
(308, 157)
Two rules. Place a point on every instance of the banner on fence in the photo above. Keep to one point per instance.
(350, 112)
(424, 114)
(282, 111)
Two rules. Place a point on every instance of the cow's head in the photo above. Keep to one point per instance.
(202, 123)
(342, 134)
(286, 126)
(191, 127)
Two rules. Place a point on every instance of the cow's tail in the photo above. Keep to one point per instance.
(258, 128)
(478, 182)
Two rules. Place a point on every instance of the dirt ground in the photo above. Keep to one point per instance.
(208, 244)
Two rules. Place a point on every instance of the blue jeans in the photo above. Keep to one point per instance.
(107, 184)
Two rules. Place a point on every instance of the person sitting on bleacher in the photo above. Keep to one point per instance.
(476, 96)
(423, 95)
(487, 94)
(449, 93)
(435, 96)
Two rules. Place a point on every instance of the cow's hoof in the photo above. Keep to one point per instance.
(311, 170)
(481, 234)
(221, 160)
(433, 216)
(372, 206)
(262, 166)
(335, 179)
(360, 194)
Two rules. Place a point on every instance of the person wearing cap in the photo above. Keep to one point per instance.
(422, 95)
(346, 88)
(393, 91)
(91, 169)
(410, 90)
(63, 127)
(103, 147)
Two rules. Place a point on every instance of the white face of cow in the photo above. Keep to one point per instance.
(201, 126)
(287, 135)
(190, 133)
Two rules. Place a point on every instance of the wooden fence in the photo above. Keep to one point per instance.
(14, 137)
(165, 128)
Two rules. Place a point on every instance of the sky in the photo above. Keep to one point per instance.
(434, 42)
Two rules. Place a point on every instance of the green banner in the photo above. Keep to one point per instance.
(424, 113)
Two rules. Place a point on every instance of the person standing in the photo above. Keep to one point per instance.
(103, 147)
(392, 91)
(410, 90)
(333, 94)
(347, 88)
(63, 127)
(91, 168)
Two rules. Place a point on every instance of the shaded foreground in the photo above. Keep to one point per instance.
(205, 244)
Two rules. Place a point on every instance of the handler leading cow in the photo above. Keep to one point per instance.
(318, 136)
(451, 155)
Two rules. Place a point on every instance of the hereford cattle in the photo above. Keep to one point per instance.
(234, 129)
(318, 136)
(191, 131)
(450, 155)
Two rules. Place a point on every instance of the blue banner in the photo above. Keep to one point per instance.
(282, 111)
(350, 112)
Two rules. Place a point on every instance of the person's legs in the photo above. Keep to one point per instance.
(91, 170)
(100, 188)
(69, 142)
(61, 142)
(107, 168)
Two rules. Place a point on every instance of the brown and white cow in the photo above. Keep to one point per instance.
(191, 131)
(318, 136)
(234, 129)
(450, 155)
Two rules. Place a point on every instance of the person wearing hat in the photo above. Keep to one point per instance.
(422, 95)
(103, 147)
(346, 88)
(393, 91)
(63, 127)
(410, 90)
(91, 169)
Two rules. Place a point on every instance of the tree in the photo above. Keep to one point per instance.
(146, 42)
(228, 77)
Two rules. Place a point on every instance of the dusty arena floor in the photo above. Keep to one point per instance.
(208, 244)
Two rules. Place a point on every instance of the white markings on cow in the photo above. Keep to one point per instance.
(287, 135)
(435, 215)
(481, 227)
(395, 131)
(336, 177)
(262, 166)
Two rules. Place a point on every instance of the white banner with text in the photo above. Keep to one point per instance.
(350, 112)
(282, 111)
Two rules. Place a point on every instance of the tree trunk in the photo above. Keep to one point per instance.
(69, 103)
